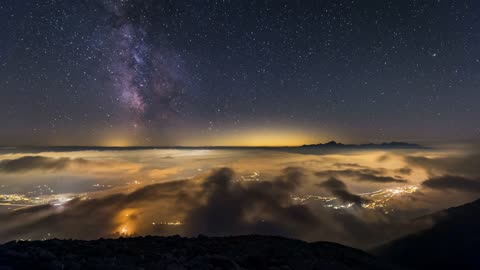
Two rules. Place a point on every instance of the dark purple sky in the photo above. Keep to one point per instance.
(96, 72)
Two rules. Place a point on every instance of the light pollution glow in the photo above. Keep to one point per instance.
(271, 137)
(264, 137)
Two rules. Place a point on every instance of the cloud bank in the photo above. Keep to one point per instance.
(219, 202)
(214, 205)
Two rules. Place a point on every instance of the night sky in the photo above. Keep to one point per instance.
(146, 72)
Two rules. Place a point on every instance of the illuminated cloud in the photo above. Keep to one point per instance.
(143, 199)
(464, 165)
(213, 205)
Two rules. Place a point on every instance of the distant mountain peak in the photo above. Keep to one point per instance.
(333, 143)
(392, 144)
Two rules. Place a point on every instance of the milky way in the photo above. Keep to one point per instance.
(147, 76)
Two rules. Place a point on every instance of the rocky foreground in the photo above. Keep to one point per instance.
(172, 253)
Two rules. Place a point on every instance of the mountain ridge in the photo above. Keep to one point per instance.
(392, 144)
(452, 241)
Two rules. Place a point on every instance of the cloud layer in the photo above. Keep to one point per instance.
(229, 201)
(214, 205)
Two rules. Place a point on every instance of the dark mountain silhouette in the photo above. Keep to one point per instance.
(235, 252)
(452, 243)
(334, 144)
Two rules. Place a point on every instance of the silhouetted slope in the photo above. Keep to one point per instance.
(236, 252)
(452, 243)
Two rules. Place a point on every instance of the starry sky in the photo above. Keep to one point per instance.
(147, 72)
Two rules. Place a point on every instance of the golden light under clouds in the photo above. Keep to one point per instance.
(138, 192)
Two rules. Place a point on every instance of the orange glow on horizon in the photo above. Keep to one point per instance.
(273, 137)
(269, 137)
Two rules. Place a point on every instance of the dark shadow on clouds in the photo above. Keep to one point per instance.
(450, 182)
(365, 175)
(338, 189)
